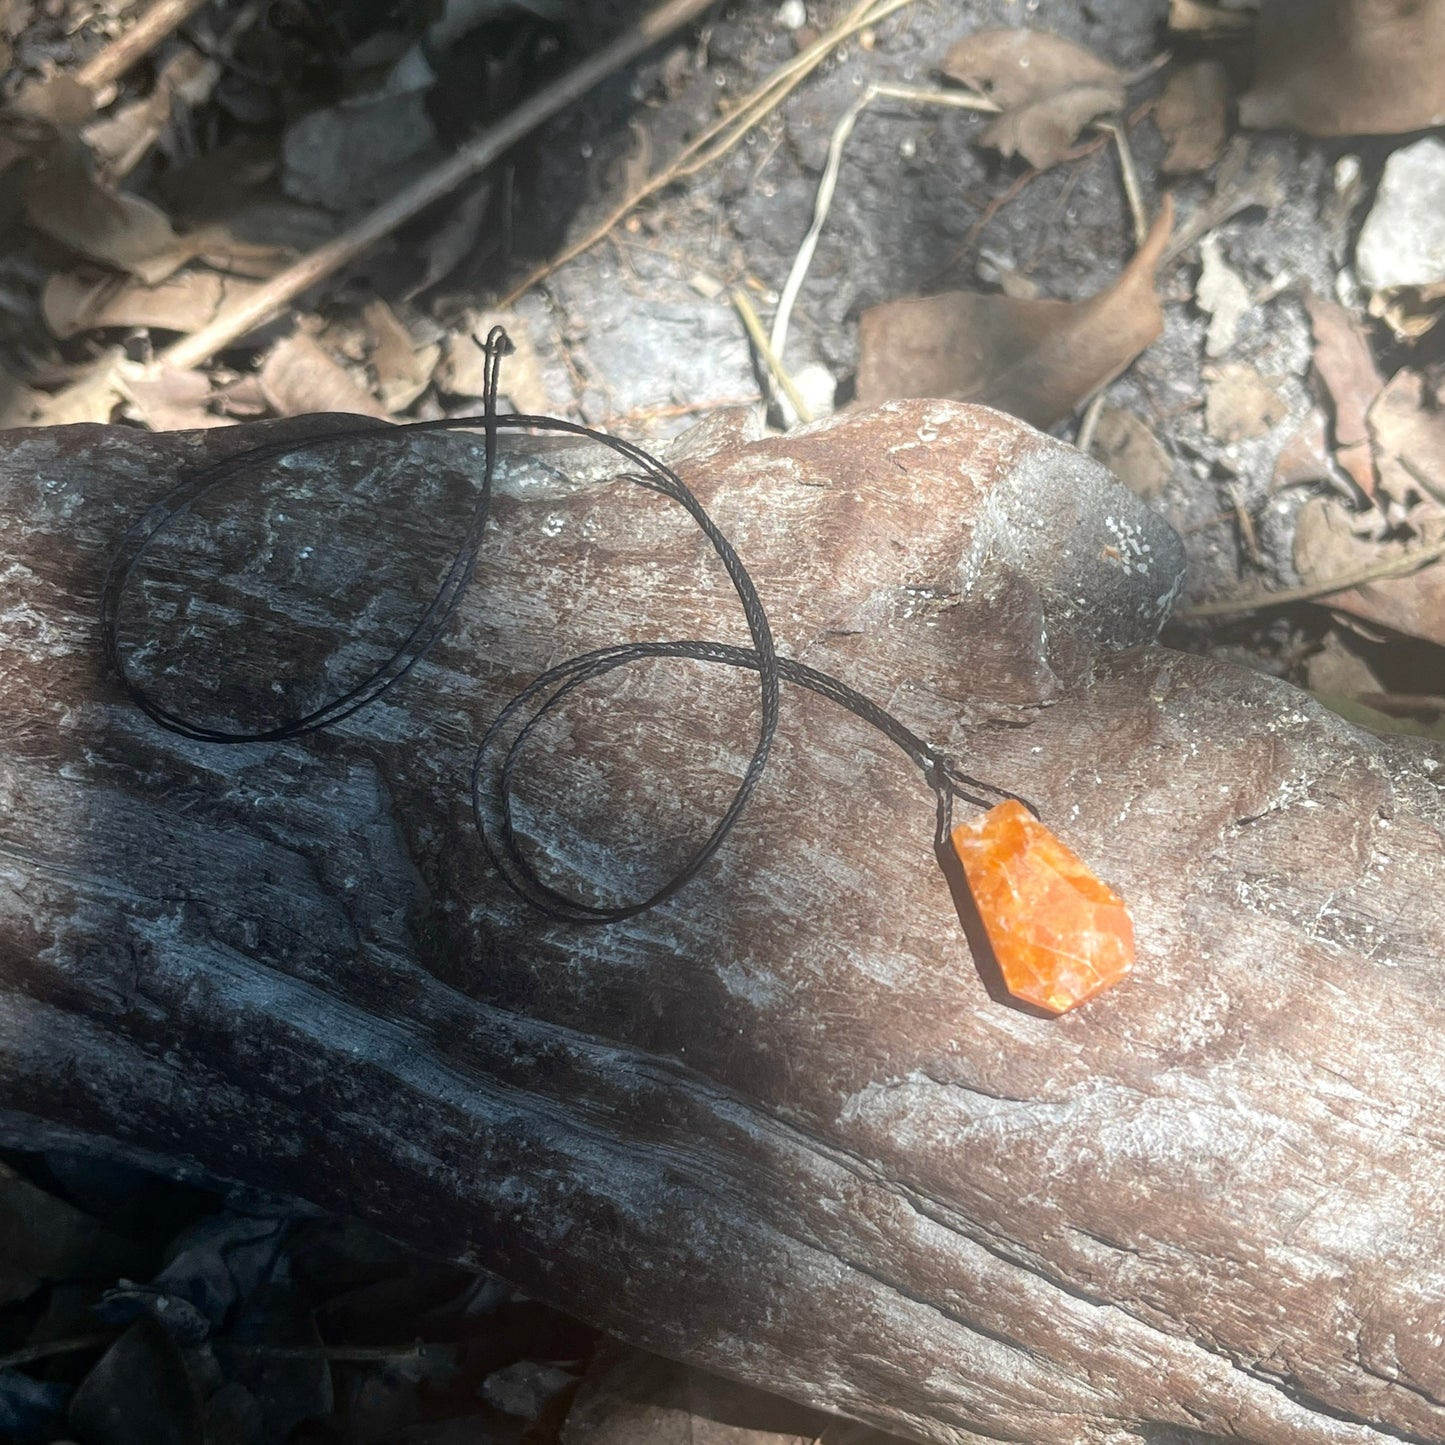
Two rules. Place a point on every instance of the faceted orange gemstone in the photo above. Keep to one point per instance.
(1059, 934)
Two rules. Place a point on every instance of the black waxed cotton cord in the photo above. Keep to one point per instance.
(497, 759)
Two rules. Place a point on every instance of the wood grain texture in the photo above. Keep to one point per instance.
(779, 1127)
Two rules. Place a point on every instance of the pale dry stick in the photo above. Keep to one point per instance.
(759, 338)
(1192, 528)
(478, 153)
(828, 185)
(1313, 591)
(720, 137)
(1089, 423)
(1244, 524)
(1129, 174)
(1149, 67)
(108, 65)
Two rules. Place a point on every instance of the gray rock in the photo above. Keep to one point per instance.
(1403, 239)
(343, 156)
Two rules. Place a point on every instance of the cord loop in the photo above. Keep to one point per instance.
(497, 758)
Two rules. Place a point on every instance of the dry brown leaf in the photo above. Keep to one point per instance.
(60, 100)
(1410, 715)
(1339, 668)
(169, 400)
(1345, 369)
(67, 203)
(1192, 116)
(121, 138)
(14, 145)
(44, 1238)
(1426, 710)
(92, 394)
(1209, 21)
(242, 397)
(1306, 456)
(453, 238)
(1406, 425)
(1043, 131)
(994, 269)
(1239, 403)
(1126, 445)
(1327, 546)
(462, 371)
(1348, 67)
(14, 17)
(403, 369)
(184, 302)
(1012, 67)
(1035, 359)
(1410, 310)
(1048, 89)
(298, 377)
(70, 301)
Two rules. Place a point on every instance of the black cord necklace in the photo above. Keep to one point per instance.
(495, 769)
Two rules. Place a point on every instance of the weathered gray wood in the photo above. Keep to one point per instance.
(779, 1127)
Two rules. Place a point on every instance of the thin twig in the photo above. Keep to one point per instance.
(1244, 524)
(759, 338)
(1019, 184)
(958, 99)
(640, 415)
(1089, 424)
(283, 288)
(720, 137)
(1133, 191)
(1148, 68)
(108, 65)
(1016, 188)
(1312, 591)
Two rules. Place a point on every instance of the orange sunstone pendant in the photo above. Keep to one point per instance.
(1059, 934)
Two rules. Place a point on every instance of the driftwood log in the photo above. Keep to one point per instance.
(781, 1127)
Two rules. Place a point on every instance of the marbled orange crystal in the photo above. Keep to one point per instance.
(1058, 933)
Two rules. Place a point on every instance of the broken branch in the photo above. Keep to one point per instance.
(108, 65)
(1313, 591)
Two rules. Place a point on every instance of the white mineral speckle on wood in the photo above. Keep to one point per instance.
(757, 987)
